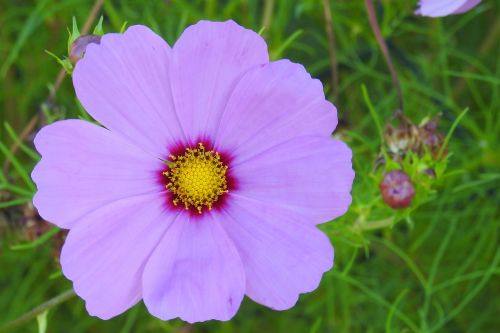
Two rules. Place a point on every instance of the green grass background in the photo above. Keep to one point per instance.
(434, 268)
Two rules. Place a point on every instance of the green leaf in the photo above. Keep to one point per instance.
(98, 28)
(65, 63)
(75, 32)
(123, 27)
(39, 241)
(41, 320)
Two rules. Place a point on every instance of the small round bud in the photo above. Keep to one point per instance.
(79, 46)
(430, 172)
(397, 189)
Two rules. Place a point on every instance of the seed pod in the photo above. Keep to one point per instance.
(397, 189)
(79, 46)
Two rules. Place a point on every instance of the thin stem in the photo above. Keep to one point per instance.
(30, 315)
(332, 49)
(375, 225)
(372, 16)
(268, 14)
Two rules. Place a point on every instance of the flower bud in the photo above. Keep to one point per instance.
(397, 189)
(430, 172)
(79, 46)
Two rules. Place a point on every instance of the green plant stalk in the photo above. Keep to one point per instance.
(32, 314)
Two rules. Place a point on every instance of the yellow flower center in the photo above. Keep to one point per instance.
(196, 178)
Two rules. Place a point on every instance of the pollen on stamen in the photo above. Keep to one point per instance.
(197, 178)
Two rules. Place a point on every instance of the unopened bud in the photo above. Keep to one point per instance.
(79, 46)
(430, 172)
(397, 189)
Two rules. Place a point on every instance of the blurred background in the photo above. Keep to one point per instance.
(430, 266)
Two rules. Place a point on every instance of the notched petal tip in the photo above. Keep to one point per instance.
(218, 28)
(194, 283)
(133, 32)
(91, 308)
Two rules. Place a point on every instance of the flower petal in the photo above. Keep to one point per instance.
(437, 8)
(208, 59)
(309, 175)
(468, 5)
(283, 257)
(195, 273)
(271, 104)
(85, 166)
(124, 84)
(104, 255)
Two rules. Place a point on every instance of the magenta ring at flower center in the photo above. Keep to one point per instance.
(197, 178)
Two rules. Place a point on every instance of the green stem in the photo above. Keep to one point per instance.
(372, 18)
(32, 314)
(373, 225)
(332, 50)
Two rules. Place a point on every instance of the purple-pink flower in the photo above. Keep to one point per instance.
(437, 8)
(205, 184)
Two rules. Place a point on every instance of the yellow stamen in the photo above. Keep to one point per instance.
(197, 178)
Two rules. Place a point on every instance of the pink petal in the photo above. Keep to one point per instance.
(283, 257)
(437, 8)
(272, 104)
(207, 61)
(195, 273)
(309, 175)
(124, 84)
(105, 254)
(468, 5)
(84, 167)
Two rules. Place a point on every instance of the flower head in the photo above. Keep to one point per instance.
(205, 184)
(437, 8)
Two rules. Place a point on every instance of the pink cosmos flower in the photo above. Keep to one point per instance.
(205, 184)
(437, 8)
